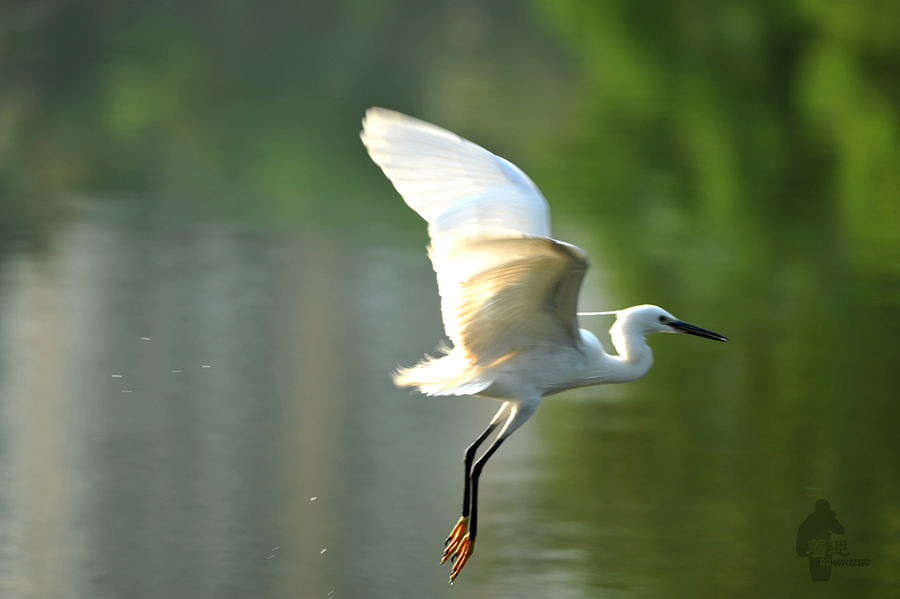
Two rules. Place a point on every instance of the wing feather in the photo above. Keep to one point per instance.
(505, 284)
(453, 183)
(502, 295)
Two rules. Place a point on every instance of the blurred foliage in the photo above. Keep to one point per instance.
(243, 107)
(750, 121)
(230, 101)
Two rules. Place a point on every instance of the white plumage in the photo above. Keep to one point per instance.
(509, 292)
(490, 247)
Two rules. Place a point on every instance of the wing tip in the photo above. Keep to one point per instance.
(377, 113)
(378, 117)
(378, 120)
(373, 117)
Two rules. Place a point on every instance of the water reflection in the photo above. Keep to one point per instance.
(253, 378)
(174, 479)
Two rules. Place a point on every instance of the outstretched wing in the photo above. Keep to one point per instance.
(504, 283)
(455, 185)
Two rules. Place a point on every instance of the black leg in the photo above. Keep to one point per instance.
(461, 542)
(462, 527)
(470, 457)
(462, 539)
(476, 472)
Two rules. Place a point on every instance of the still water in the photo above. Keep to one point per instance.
(205, 411)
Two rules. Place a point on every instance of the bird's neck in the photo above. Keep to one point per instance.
(634, 360)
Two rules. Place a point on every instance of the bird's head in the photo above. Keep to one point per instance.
(648, 319)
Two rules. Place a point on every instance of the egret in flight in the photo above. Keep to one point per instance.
(509, 292)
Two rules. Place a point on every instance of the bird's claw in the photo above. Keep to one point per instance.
(461, 556)
(458, 546)
(455, 538)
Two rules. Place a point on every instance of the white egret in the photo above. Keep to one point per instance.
(508, 291)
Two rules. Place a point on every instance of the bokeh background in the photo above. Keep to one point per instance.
(204, 283)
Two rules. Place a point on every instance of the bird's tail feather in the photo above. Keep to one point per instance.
(451, 374)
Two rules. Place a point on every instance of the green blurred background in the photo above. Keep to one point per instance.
(191, 173)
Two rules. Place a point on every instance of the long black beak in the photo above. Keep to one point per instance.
(683, 327)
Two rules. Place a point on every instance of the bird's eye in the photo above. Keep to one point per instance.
(662, 319)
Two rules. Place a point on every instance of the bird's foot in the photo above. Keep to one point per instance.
(466, 546)
(456, 535)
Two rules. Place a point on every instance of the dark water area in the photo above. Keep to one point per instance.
(205, 283)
